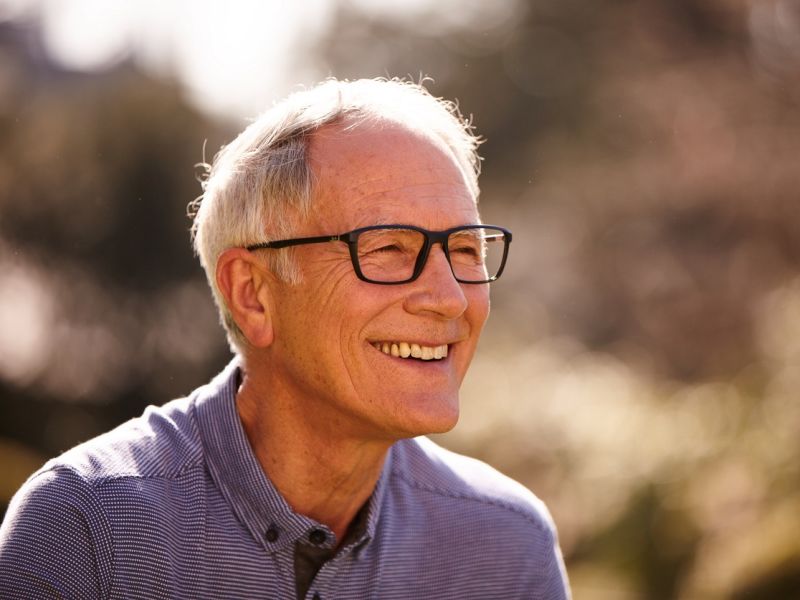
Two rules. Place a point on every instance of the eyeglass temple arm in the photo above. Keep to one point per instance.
(299, 241)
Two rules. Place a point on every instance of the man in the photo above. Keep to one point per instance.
(341, 238)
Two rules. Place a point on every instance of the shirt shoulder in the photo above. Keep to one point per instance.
(161, 443)
(426, 466)
(491, 535)
(71, 527)
(55, 540)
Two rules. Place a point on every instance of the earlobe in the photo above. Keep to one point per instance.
(244, 285)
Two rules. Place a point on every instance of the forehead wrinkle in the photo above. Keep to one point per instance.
(397, 195)
(386, 216)
(402, 181)
(384, 186)
(422, 177)
(332, 172)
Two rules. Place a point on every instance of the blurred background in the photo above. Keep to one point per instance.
(641, 368)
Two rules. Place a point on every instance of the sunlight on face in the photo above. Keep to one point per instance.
(331, 328)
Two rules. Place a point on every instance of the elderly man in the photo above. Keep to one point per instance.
(341, 238)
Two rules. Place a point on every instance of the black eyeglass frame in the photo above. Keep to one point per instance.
(431, 238)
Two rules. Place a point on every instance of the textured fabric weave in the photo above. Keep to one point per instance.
(175, 505)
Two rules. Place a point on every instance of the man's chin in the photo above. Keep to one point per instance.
(428, 421)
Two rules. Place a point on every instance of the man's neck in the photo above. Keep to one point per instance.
(321, 473)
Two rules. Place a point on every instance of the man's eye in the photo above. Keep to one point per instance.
(385, 249)
(465, 250)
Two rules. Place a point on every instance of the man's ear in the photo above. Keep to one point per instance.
(244, 283)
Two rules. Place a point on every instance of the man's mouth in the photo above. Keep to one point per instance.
(411, 350)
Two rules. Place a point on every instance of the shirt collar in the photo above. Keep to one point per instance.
(237, 473)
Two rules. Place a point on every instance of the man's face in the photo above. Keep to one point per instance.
(324, 353)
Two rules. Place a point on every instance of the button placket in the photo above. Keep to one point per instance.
(358, 549)
(323, 583)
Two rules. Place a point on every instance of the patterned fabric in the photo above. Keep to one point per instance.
(174, 504)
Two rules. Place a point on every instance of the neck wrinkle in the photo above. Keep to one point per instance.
(321, 475)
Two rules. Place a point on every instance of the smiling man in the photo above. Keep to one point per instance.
(341, 238)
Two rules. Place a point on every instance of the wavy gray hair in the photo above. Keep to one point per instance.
(261, 183)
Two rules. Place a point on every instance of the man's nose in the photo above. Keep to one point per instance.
(436, 290)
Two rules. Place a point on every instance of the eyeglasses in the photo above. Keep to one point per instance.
(393, 254)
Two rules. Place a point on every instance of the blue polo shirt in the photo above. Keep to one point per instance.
(174, 504)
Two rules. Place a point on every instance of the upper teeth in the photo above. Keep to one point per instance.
(405, 349)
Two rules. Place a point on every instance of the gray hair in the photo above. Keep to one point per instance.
(261, 183)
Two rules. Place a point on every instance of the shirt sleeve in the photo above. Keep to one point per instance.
(55, 542)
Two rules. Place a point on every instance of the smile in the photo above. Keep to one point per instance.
(409, 350)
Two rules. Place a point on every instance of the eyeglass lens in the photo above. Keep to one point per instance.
(389, 255)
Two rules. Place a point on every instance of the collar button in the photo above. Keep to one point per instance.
(317, 536)
(272, 533)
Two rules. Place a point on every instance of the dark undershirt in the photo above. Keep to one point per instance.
(308, 558)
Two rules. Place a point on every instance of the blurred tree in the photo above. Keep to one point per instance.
(95, 175)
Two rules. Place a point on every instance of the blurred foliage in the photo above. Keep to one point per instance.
(103, 308)
(641, 370)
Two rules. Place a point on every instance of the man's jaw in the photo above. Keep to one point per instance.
(412, 350)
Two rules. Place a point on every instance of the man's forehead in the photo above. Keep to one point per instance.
(387, 152)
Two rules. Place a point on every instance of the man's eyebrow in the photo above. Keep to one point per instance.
(379, 221)
(388, 222)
